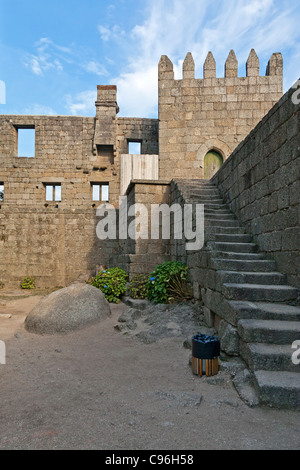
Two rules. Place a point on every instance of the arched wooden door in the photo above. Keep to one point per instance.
(212, 163)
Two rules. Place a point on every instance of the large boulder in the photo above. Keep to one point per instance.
(68, 309)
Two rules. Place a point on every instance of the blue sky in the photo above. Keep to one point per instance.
(54, 54)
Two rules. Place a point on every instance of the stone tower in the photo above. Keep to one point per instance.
(201, 121)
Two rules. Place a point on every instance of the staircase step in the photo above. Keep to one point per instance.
(206, 187)
(216, 230)
(195, 182)
(243, 277)
(257, 265)
(217, 203)
(234, 238)
(207, 192)
(215, 215)
(269, 331)
(259, 292)
(219, 213)
(265, 311)
(234, 247)
(238, 256)
(262, 356)
(221, 222)
(218, 210)
(216, 207)
(279, 389)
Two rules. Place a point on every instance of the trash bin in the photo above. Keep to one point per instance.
(205, 353)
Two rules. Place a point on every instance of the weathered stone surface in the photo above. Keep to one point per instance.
(157, 322)
(68, 309)
(229, 339)
(261, 182)
(279, 389)
(58, 239)
(244, 385)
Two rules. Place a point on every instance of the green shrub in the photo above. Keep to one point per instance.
(112, 282)
(168, 283)
(137, 288)
(27, 283)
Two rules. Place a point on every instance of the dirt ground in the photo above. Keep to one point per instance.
(99, 388)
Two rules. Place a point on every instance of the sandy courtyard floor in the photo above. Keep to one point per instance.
(99, 388)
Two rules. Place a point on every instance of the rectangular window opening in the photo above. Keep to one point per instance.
(135, 147)
(1, 192)
(26, 141)
(53, 192)
(100, 192)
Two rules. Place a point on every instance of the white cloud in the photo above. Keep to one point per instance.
(51, 56)
(174, 27)
(48, 56)
(104, 32)
(137, 92)
(107, 33)
(96, 67)
(38, 109)
(82, 103)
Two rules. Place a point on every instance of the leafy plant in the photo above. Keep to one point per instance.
(112, 282)
(27, 283)
(168, 283)
(137, 288)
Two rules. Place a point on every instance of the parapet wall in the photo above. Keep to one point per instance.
(261, 183)
(199, 115)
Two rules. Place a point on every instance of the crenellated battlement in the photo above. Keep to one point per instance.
(274, 67)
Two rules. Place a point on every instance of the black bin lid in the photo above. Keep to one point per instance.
(205, 347)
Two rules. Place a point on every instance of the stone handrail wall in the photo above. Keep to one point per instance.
(261, 183)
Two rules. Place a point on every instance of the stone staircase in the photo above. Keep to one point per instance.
(266, 315)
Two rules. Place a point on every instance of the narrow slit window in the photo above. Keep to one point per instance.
(100, 192)
(1, 192)
(26, 142)
(53, 192)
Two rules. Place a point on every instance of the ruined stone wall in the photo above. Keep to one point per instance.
(63, 154)
(199, 115)
(139, 130)
(55, 242)
(261, 182)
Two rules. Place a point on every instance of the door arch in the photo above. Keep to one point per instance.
(213, 161)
